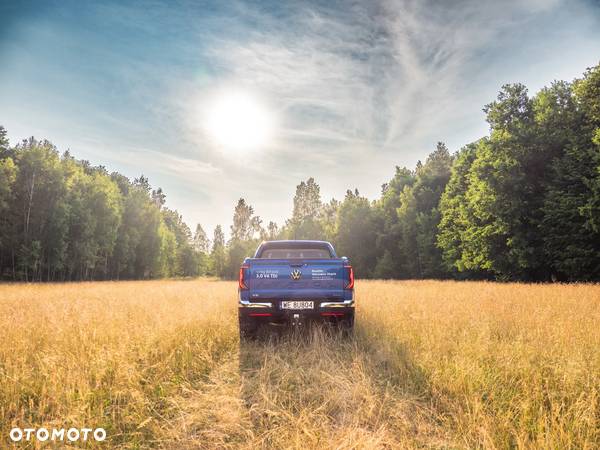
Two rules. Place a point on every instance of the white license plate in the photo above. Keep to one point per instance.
(297, 304)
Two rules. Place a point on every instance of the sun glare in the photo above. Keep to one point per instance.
(238, 121)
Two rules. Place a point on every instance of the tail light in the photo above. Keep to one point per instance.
(350, 284)
(242, 278)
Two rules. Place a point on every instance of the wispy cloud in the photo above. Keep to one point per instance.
(374, 76)
(357, 87)
(170, 164)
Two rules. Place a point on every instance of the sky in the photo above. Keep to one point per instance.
(336, 90)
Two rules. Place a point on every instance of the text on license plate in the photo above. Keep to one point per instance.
(297, 304)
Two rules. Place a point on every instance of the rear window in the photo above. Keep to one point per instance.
(295, 253)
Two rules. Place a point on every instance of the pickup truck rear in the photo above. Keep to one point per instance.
(292, 283)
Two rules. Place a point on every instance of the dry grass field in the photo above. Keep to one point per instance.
(432, 365)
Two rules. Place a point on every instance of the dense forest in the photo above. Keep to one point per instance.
(520, 204)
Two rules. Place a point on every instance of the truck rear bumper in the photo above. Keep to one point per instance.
(269, 312)
(319, 305)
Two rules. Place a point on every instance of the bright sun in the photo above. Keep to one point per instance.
(238, 121)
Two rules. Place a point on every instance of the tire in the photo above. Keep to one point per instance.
(248, 329)
(347, 326)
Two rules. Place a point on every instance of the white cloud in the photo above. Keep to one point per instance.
(357, 87)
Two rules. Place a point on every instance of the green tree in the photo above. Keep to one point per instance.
(393, 261)
(571, 239)
(328, 219)
(202, 249)
(305, 222)
(201, 241)
(505, 189)
(571, 243)
(245, 223)
(419, 216)
(95, 208)
(139, 239)
(244, 232)
(271, 233)
(37, 209)
(8, 176)
(218, 252)
(356, 233)
(457, 220)
(5, 150)
(587, 94)
(166, 261)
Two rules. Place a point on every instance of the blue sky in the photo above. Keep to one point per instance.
(354, 88)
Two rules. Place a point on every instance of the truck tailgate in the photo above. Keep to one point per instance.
(285, 279)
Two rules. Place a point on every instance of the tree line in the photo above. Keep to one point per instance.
(63, 219)
(522, 203)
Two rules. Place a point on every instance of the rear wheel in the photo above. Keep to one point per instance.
(346, 326)
(248, 328)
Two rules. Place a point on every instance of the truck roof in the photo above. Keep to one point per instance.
(295, 243)
(299, 242)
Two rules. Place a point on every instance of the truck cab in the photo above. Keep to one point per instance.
(293, 282)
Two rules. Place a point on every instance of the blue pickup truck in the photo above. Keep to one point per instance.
(293, 283)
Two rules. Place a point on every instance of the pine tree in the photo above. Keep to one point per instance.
(305, 222)
(218, 252)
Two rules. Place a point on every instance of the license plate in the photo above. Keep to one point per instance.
(297, 304)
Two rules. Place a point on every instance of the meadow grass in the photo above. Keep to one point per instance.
(432, 364)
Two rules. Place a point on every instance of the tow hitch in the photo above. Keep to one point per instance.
(297, 321)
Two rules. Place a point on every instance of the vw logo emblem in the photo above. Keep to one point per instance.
(296, 274)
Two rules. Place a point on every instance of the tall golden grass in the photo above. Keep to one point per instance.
(432, 364)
